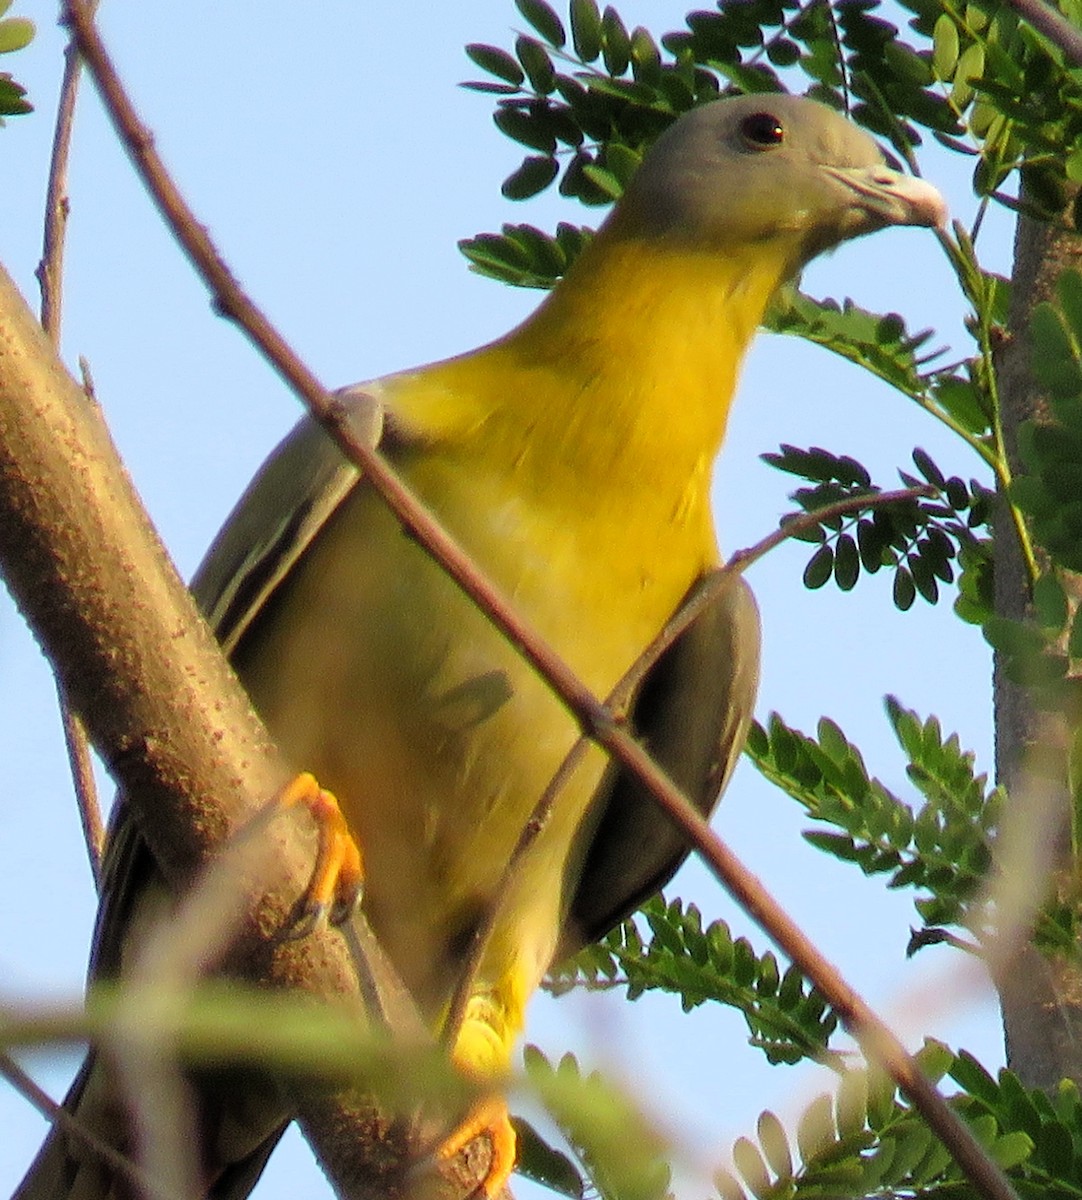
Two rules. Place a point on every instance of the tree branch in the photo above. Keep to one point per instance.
(1054, 25)
(161, 704)
(1040, 994)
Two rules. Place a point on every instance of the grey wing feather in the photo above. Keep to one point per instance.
(285, 506)
(693, 712)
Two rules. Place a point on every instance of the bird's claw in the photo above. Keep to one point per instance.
(334, 889)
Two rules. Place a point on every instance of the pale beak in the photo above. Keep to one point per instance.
(896, 199)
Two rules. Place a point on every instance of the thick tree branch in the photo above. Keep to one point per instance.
(162, 706)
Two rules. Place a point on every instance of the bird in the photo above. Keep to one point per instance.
(572, 458)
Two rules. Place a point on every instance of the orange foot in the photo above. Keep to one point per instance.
(488, 1116)
(334, 889)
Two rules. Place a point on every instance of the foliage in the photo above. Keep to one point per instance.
(1050, 491)
(585, 97)
(918, 538)
(614, 1145)
(867, 1141)
(786, 1017)
(15, 34)
(942, 849)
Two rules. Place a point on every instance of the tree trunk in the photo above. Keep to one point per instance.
(1040, 995)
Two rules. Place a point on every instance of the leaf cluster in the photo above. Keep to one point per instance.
(15, 34)
(1050, 489)
(524, 255)
(868, 1142)
(865, 1141)
(600, 98)
(918, 539)
(623, 1156)
(787, 1018)
(885, 348)
(619, 93)
(1020, 103)
(942, 848)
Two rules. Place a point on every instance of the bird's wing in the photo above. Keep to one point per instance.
(285, 506)
(693, 711)
(290, 499)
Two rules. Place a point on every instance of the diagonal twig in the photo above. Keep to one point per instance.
(56, 1114)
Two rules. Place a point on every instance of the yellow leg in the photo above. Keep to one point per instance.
(334, 889)
(482, 1049)
(488, 1116)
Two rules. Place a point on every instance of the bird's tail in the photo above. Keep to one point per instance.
(70, 1167)
(64, 1168)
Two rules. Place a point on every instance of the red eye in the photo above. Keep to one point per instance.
(762, 131)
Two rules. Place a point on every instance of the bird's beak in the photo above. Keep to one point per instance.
(893, 198)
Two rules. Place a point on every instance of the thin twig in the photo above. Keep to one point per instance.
(596, 721)
(705, 592)
(50, 272)
(1059, 31)
(86, 789)
(56, 1114)
(50, 275)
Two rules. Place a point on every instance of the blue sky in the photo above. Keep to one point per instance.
(337, 162)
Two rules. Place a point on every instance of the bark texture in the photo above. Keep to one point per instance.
(165, 711)
(1040, 996)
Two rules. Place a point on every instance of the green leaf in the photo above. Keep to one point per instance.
(615, 42)
(970, 67)
(1011, 1149)
(533, 176)
(846, 563)
(496, 62)
(935, 1059)
(775, 1145)
(1069, 293)
(727, 1185)
(1050, 602)
(525, 127)
(749, 1162)
(544, 19)
(15, 34)
(537, 1160)
(537, 65)
(1074, 642)
(820, 567)
(945, 48)
(852, 1104)
(586, 29)
(1054, 362)
(815, 1129)
(645, 57)
(904, 590)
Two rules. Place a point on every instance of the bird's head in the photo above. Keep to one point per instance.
(769, 168)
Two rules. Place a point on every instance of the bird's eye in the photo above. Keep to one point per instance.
(762, 131)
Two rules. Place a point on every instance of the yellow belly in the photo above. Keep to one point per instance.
(435, 735)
